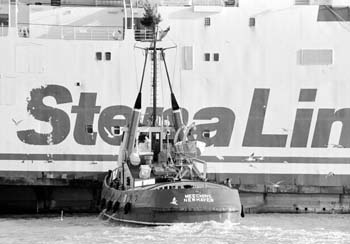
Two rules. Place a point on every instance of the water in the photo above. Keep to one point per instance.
(263, 228)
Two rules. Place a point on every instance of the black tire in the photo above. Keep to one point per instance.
(103, 204)
(109, 205)
(116, 206)
(127, 208)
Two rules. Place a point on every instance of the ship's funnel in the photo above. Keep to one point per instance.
(138, 102)
(135, 118)
(177, 116)
(174, 104)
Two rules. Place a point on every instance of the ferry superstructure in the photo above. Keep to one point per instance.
(274, 76)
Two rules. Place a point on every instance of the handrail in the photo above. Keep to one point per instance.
(208, 2)
(143, 34)
(70, 32)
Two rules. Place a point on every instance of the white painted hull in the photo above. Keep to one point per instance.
(254, 62)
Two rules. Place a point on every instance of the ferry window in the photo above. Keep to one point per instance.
(206, 134)
(89, 129)
(252, 22)
(128, 23)
(128, 181)
(315, 56)
(56, 2)
(207, 57)
(108, 55)
(4, 20)
(115, 130)
(231, 3)
(216, 57)
(207, 21)
(98, 56)
(329, 13)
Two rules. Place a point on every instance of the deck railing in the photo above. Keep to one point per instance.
(143, 34)
(208, 2)
(70, 32)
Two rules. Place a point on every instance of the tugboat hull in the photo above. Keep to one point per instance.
(168, 206)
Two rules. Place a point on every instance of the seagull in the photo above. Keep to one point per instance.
(261, 158)
(109, 134)
(330, 174)
(252, 165)
(220, 157)
(277, 184)
(251, 158)
(163, 33)
(334, 145)
(17, 122)
(285, 162)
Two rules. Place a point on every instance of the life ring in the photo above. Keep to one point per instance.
(103, 204)
(127, 208)
(116, 206)
(109, 205)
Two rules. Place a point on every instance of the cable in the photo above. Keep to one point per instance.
(339, 17)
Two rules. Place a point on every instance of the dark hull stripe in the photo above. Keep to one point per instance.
(225, 159)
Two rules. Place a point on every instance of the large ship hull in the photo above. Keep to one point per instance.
(276, 89)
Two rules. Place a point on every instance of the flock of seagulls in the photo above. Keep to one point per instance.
(253, 158)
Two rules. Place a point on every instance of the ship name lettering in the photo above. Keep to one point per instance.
(198, 198)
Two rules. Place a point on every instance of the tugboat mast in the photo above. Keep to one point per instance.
(154, 83)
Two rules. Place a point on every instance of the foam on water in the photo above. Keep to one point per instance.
(269, 229)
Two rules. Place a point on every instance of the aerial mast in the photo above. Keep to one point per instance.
(151, 20)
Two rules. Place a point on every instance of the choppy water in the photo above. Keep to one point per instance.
(267, 229)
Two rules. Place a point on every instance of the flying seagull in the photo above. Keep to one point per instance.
(163, 33)
(330, 174)
(277, 184)
(109, 134)
(253, 158)
(219, 157)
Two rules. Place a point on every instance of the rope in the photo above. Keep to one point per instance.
(339, 17)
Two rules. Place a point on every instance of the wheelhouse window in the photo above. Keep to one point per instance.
(89, 129)
(216, 57)
(329, 13)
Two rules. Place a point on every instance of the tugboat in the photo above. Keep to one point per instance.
(159, 179)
